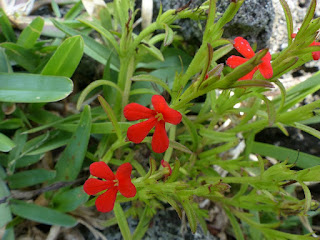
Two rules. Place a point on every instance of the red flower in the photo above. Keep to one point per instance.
(315, 55)
(113, 183)
(243, 47)
(165, 164)
(157, 118)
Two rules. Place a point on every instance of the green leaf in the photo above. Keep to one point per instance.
(56, 139)
(5, 212)
(192, 130)
(31, 88)
(6, 144)
(6, 27)
(41, 214)
(31, 33)
(144, 222)
(66, 58)
(30, 178)
(300, 159)
(94, 85)
(169, 35)
(70, 199)
(26, 58)
(235, 225)
(122, 221)
(307, 19)
(288, 16)
(150, 78)
(108, 110)
(192, 219)
(307, 129)
(5, 65)
(70, 162)
(153, 51)
(104, 32)
(92, 48)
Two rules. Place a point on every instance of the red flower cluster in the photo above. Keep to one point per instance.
(113, 183)
(243, 47)
(157, 118)
(315, 55)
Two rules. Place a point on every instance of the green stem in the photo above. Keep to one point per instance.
(122, 222)
(172, 136)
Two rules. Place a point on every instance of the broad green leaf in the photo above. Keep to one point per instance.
(92, 48)
(70, 162)
(32, 88)
(70, 199)
(41, 214)
(12, 123)
(5, 212)
(6, 144)
(29, 178)
(31, 33)
(300, 159)
(66, 58)
(26, 161)
(5, 65)
(26, 58)
(6, 27)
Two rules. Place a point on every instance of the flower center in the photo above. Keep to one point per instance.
(116, 182)
(159, 116)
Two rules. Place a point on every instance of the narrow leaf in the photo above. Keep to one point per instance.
(6, 27)
(122, 221)
(288, 16)
(41, 214)
(29, 178)
(70, 162)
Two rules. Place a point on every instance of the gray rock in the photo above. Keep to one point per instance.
(165, 225)
(253, 21)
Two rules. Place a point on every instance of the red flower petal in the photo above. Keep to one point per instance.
(160, 140)
(101, 170)
(105, 202)
(137, 132)
(249, 75)
(124, 172)
(159, 103)
(126, 188)
(135, 111)
(243, 47)
(235, 61)
(293, 35)
(266, 58)
(266, 70)
(93, 186)
(315, 55)
(169, 115)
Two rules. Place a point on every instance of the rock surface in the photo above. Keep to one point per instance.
(253, 21)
